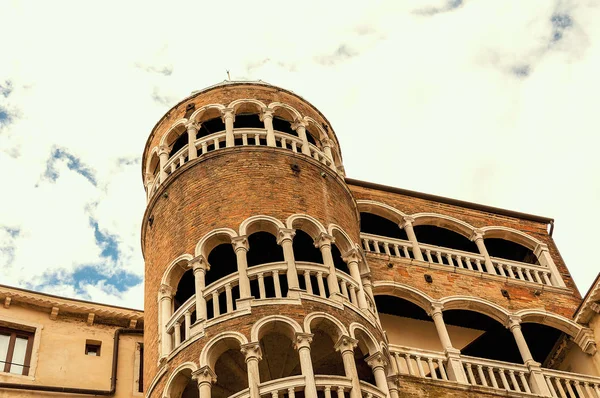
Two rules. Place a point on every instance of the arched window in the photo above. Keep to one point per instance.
(325, 359)
(438, 236)
(248, 120)
(377, 225)
(361, 353)
(186, 288)
(339, 263)
(263, 249)
(304, 248)
(280, 359)
(179, 143)
(211, 126)
(509, 250)
(282, 125)
(223, 262)
(231, 372)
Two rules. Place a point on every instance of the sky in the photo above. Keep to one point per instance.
(489, 102)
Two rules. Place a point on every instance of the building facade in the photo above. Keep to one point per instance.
(269, 273)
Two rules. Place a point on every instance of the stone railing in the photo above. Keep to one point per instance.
(242, 137)
(495, 374)
(443, 256)
(421, 363)
(214, 292)
(268, 273)
(568, 385)
(181, 322)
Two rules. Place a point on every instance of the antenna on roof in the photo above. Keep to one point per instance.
(228, 76)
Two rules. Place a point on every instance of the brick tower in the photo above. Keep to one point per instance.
(271, 274)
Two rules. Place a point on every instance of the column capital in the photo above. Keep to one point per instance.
(163, 149)
(303, 340)
(540, 248)
(199, 264)
(393, 382)
(298, 123)
(436, 308)
(252, 351)
(192, 125)
(477, 234)
(266, 113)
(407, 221)
(148, 177)
(376, 360)
(352, 255)
(345, 343)
(284, 234)
(514, 322)
(327, 142)
(204, 375)
(165, 291)
(240, 243)
(324, 240)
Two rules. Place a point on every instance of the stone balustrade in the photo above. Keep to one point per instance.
(569, 385)
(421, 363)
(496, 374)
(180, 324)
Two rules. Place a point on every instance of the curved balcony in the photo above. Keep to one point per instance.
(242, 137)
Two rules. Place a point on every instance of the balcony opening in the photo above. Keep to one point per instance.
(325, 359)
(338, 261)
(363, 350)
(280, 359)
(377, 225)
(263, 249)
(541, 340)
(282, 125)
(248, 121)
(184, 386)
(232, 374)
(179, 143)
(211, 126)
(304, 248)
(186, 288)
(438, 236)
(310, 137)
(492, 339)
(509, 250)
(223, 262)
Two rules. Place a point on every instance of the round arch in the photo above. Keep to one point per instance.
(198, 114)
(443, 221)
(178, 379)
(279, 323)
(556, 321)
(176, 129)
(342, 239)
(364, 336)
(340, 329)
(212, 240)
(260, 223)
(235, 105)
(381, 209)
(152, 160)
(306, 223)
(218, 345)
(175, 270)
(512, 235)
(405, 292)
(477, 304)
(274, 106)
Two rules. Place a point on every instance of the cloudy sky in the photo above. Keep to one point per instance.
(495, 102)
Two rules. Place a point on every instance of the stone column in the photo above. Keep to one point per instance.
(300, 128)
(407, 225)
(345, 346)
(165, 300)
(240, 246)
(205, 377)
(163, 156)
(543, 254)
(353, 258)
(368, 286)
(228, 116)
(514, 325)
(267, 118)
(149, 180)
(454, 366)
(327, 145)
(478, 239)
(323, 242)
(377, 363)
(253, 355)
(200, 267)
(285, 238)
(192, 130)
(393, 386)
(302, 344)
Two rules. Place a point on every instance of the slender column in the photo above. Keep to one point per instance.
(149, 179)
(323, 242)
(377, 363)
(188, 323)
(267, 118)
(327, 145)
(515, 327)
(163, 156)
(478, 239)
(253, 355)
(352, 258)
(345, 346)
(240, 246)
(393, 386)
(177, 333)
(366, 282)
(455, 368)
(166, 306)
(285, 238)
(543, 255)
(228, 117)
(200, 267)
(407, 225)
(440, 325)
(192, 130)
(300, 128)
(205, 378)
(302, 344)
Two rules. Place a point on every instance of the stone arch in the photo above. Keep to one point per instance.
(243, 102)
(198, 115)
(212, 240)
(260, 223)
(443, 221)
(556, 321)
(178, 380)
(306, 223)
(218, 345)
(340, 329)
(279, 323)
(512, 235)
(342, 239)
(152, 161)
(405, 292)
(477, 304)
(381, 210)
(319, 129)
(364, 336)
(177, 129)
(175, 270)
(295, 115)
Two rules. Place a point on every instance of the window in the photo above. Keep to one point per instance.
(15, 351)
(92, 348)
(138, 369)
(141, 369)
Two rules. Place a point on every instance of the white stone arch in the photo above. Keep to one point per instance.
(512, 235)
(315, 316)
(305, 223)
(235, 105)
(152, 159)
(260, 223)
(443, 221)
(212, 240)
(198, 115)
(170, 136)
(290, 109)
(310, 122)
(368, 340)
(178, 380)
(381, 209)
(405, 292)
(218, 345)
(477, 304)
(279, 323)
(556, 321)
(342, 239)
(175, 270)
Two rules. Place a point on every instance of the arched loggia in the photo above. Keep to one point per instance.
(223, 262)
(376, 225)
(510, 250)
(263, 249)
(438, 236)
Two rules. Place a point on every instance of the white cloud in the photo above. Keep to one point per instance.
(475, 102)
